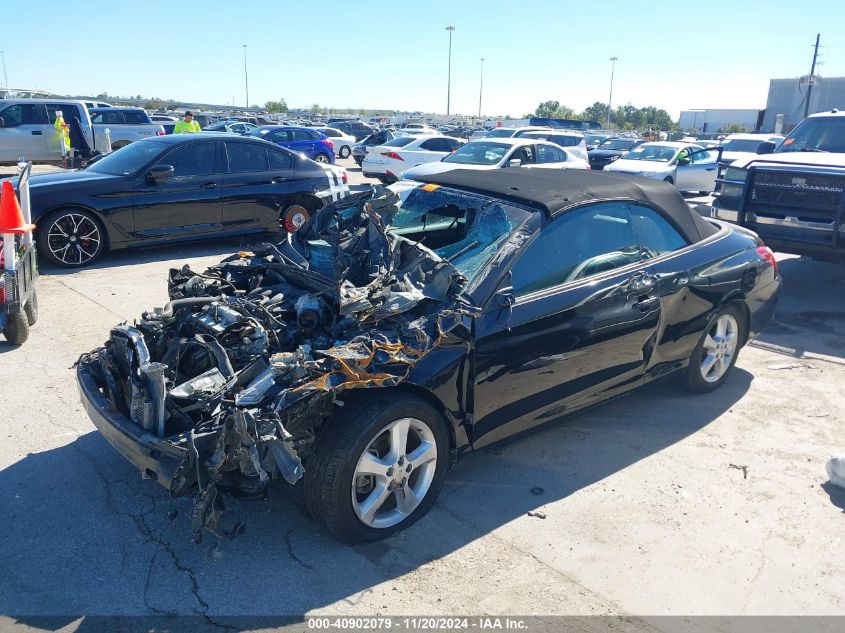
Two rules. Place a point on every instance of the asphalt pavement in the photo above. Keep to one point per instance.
(661, 503)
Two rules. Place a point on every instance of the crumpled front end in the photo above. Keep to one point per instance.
(227, 386)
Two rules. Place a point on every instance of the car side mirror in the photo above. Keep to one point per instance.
(158, 173)
(766, 147)
(504, 297)
(514, 162)
(683, 161)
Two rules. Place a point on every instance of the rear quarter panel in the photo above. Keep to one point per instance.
(696, 282)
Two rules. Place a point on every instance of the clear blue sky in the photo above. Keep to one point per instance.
(372, 54)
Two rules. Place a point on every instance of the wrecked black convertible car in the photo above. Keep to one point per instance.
(398, 328)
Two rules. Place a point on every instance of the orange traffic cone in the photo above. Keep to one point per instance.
(11, 218)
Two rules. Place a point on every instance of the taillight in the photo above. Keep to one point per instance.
(345, 178)
(766, 253)
(329, 143)
(392, 155)
(160, 133)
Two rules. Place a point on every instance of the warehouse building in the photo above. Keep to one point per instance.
(787, 97)
(714, 120)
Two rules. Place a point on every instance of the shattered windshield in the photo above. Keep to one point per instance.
(464, 229)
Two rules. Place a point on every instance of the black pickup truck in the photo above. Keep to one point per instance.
(794, 198)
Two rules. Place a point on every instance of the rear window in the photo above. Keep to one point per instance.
(401, 141)
(137, 118)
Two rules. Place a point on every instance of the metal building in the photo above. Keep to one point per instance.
(712, 120)
(789, 96)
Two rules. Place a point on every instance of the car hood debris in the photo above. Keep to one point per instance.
(251, 356)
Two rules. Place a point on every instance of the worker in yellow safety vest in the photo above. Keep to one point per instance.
(62, 131)
(186, 125)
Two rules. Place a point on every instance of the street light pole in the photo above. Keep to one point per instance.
(480, 87)
(610, 98)
(449, 80)
(246, 78)
(5, 78)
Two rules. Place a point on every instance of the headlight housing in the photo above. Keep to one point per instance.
(735, 174)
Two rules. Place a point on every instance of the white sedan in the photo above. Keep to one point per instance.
(688, 166)
(387, 162)
(343, 143)
(498, 153)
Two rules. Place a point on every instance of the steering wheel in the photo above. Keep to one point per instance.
(599, 264)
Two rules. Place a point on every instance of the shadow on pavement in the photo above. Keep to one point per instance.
(84, 535)
(809, 317)
(836, 494)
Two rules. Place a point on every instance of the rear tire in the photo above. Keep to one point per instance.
(345, 151)
(716, 352)
(358, 507)
(322, 158)
(31, 308)
(17, 328)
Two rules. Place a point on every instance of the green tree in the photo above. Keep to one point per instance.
(316, 108)
(553, 110)
(595, 112)
(733, 128)
(155, 104)
(276, 106)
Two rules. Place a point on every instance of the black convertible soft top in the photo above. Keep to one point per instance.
(557, 191)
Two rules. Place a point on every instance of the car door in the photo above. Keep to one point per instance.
(187, 202)
(302, 141)
(257, 184)
(572, 324)
(548, 157)
(26, 133)
(700, 173)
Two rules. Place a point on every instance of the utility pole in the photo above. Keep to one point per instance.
(811, 79)
(246, 78)
(5, 78)
(449, 79)
(610, 98)
(480, 87)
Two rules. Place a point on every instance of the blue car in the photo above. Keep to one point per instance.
(313, 143)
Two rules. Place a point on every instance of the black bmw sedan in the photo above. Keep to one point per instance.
(175, 188)
(399, 328)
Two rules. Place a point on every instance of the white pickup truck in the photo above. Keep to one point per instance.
(26, 128)
(124, 125)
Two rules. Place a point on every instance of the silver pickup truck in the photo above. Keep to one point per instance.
(26, 128)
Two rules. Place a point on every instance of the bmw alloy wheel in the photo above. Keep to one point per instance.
(394, 473)
(74, 239)
(720, 345)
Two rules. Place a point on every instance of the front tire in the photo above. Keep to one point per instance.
(71, 238)
(377, 469)
(345, 151)
(716, 352)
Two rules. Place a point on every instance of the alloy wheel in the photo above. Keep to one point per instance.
(394, 473)
(322, 158)
(720, 345)
(74, 239)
